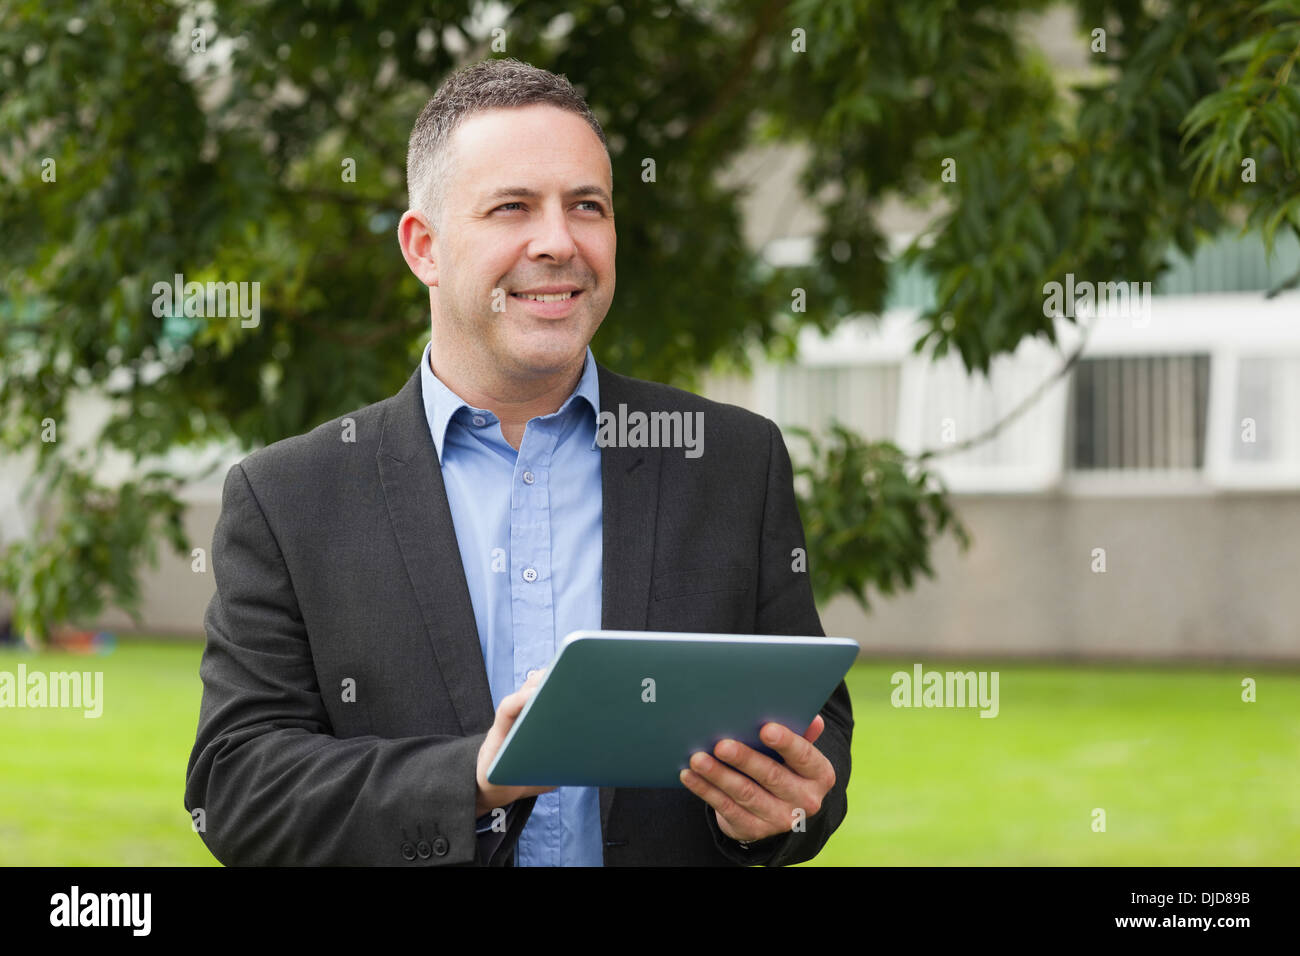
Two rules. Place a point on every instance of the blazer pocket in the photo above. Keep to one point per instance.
(700, 581)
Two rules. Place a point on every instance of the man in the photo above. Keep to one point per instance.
(388, 581)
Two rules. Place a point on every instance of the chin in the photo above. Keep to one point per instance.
(548, 363)
(550, 356)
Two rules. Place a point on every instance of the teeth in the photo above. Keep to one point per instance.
(558, 297)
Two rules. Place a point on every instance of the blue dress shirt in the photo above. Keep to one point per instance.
(528, 524)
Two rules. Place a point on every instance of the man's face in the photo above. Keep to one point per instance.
(528, 208)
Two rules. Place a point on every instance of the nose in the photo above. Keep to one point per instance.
(553, 238)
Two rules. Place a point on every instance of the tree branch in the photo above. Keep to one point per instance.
(735, 81)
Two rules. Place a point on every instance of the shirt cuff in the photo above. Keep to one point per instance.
(758, 853)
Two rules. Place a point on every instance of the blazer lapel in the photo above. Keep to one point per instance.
(629, 481)
(421, 519)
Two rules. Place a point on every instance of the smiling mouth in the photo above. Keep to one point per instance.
(553, 297)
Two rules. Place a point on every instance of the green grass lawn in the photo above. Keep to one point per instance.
(1186, 772)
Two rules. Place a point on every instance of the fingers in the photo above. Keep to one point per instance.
(512, 705)
(815, 729)
(762, 769)
(734, 820)
(799, 753)
(737, 789)
(752, 794)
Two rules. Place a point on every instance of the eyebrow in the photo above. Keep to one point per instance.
(507, 192)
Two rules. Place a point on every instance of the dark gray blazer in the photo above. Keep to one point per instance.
(336, 561)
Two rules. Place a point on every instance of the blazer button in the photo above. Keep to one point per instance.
(440, 846)
(408, 851)
(422, 848)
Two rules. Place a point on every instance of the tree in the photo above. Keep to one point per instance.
(141, 139)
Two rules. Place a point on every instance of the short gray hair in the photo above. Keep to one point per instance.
(489, 84)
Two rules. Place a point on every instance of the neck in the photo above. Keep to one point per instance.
(514, 401)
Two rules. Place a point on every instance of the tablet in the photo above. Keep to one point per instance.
(628, 708)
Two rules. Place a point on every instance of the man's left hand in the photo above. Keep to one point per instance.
(762, 799)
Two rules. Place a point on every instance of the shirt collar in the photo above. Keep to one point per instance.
(441, 403)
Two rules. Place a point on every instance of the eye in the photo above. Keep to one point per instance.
(507, 204)
(592, 202)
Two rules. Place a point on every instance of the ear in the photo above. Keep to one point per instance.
(416, 237)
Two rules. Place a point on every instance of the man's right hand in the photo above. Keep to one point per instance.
(491, 796)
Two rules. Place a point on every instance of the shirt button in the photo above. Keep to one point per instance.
(530, 575)
(529, 478)
(479, 420)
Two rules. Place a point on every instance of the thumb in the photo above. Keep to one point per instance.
(513, 705)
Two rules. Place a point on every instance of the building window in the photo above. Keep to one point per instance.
(1139, 413)
(863, 398)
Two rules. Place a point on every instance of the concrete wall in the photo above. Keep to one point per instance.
(1207, 577)
(1195, 576)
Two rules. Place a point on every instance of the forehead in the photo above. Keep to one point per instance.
(538, 141)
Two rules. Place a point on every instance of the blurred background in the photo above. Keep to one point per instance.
(846, 216)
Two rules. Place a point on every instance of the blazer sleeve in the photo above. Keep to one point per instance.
(274, 785)
(786, 606)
